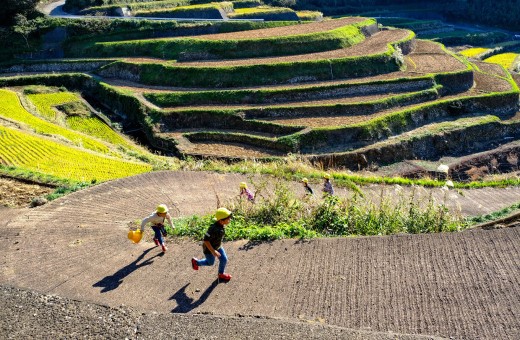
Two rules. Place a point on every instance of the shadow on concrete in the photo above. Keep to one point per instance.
(186, 304)
(113, 281)
(252, 244)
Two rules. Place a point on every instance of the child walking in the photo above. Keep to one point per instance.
(244, 191)
(327, 185)
(212, 246)
(157, 219)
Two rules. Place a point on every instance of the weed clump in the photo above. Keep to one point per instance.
(279, 213)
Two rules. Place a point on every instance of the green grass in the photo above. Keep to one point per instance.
(256, 75)
(494, 215)
(281, 214)
(295, 167)
(264, 12)
(136, 6)
(301, 110)
(263, 95)
(190, 11)
(309, 15)
(393, 123)
(175, 48)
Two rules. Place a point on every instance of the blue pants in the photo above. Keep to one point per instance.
(159, 231)
(210, 260)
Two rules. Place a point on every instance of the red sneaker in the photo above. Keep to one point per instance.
(224, 277)
(156, 242)
(194, 264)
(164, 249)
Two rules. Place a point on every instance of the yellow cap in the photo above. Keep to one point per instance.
(162, 208)
(327, 176)
(222, 213)
(243, 185)
(305, 180)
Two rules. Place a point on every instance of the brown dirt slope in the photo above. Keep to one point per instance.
(378, 43)
(315, 27)
(464, 285)
(14, 193)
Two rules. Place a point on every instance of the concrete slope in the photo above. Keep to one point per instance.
(28, 314)
(464, 285)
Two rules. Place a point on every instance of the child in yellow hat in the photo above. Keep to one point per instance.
(157, 219)
(308, 189)
(212, 246)
(327, 185)
(244, 191)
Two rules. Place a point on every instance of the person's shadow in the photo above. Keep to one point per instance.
(186, 304)
(113, 281)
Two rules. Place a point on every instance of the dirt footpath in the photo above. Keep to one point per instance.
(461, 285)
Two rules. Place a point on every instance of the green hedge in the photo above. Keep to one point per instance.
(454, 82)
(253, 75)
(289, 94)
(75, 5)
(72, 81)
(257, 141)
(455, 138)
(194, 48)
(268, 14)
(111, 9)
(336, 109)
(220, 119)
(247, 3)
(87, 65)
(362, 134)
(206, 11)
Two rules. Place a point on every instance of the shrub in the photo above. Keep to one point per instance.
(281, 214)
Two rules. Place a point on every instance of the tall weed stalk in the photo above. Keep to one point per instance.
(278, 213)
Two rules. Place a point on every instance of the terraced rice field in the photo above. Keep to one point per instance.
(376, 44)
(507, 60)
(49, 157)
(461, 285)
(315, 27)
(273, 119)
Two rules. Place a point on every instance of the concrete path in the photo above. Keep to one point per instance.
(461, 285)
(55, 8)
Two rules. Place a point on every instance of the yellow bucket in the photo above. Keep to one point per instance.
(135, 236)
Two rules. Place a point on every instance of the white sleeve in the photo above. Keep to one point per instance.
(146, 220)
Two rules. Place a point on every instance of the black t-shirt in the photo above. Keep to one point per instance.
(214, 235)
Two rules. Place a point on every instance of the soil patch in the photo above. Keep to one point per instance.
(231, 150)
(300, 29)
(378, 43)
(15, 193)
(341, 100)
